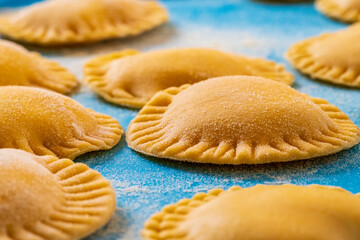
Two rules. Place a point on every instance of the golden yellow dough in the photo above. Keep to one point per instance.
(331, 57)
(131, 78)
(21, 67)
(46, 198)
(47, 123)
(273, 212)
(344, 10)
(67, 21)
(239, 120)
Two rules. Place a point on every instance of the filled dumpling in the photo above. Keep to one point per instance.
(67, 22)
(21, 67)
(239, 120)
(47, 123)
(131, 78)
(45, 198)
(273, 212)
(344, 10)
(331, 57)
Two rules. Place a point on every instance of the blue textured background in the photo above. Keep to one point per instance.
(144, 185)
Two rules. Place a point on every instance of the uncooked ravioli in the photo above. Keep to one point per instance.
(21, 67)
(273, 212)
(47, 123)
(331, 57)
(68, 21)
(344, 10)
(239, 120)
(46, 198)
(131, 78)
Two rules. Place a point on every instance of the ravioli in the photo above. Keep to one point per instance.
(50, 198)
(272, 212)
(21, 67)
(68, 22)
(344, 10)
(47, 123)
(331, 57)
(239, 120)
(131, 78)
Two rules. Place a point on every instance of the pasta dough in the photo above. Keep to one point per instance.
(45, 198)
(278, 212)
(21, 67)
(239, 120)
(54, 22)
(331, 57)
(131, 78)
(46, 123)
(344, 10)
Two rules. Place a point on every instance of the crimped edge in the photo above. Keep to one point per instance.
(277, 74)
(333, 10)
(145, 135)
(89, 203)
(94, 76)
(47, 37)
(47, 74)
(57, 78)
(162, 225)
(112, 132)
(299, 56)
(111, 136)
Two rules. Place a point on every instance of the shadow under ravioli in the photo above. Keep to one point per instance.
(46, 123)
(239, 120)
(131, 78)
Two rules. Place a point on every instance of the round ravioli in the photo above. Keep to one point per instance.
(331, 57)
(239, 120)
(344, 10)
(46, 123)
(273, 212)
(69, 22)
(46, 198)
(21, 67)
(131, 78)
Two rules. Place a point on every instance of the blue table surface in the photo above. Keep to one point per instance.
(144, 185)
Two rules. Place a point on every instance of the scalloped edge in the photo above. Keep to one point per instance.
(301, 59)
(90, 203)
(109, 136)
(58, 78)
(50, 75)
(95, 77)
(145, 136)
(157, 16)
(333, 10)
(162, 225)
